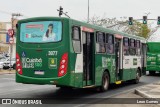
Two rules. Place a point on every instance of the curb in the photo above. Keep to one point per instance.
(142, 94)
(7, 72)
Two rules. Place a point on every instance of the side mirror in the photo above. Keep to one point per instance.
(16, 26)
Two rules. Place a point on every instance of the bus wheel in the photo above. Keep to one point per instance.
(14, 66)
(136, 81)
(105, 82)
(151, 72)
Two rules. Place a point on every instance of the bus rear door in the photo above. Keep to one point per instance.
(88, 56)
(118, 57)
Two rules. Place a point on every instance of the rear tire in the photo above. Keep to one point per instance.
(65, 88)
(152, 72)
(105, 82)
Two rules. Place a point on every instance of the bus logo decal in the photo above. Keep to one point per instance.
(52, 63)
(23, 54)
(31, 62)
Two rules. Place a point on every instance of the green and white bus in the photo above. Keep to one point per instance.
(153, 57)
(69, 53)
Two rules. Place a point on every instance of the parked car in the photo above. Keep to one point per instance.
(7, 64)
(2, 60)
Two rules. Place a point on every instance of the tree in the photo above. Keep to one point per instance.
(122, 25)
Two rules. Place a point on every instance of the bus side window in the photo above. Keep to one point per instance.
(126, 46)
(138, 50)
(100, 41)
(110, 43)
(76, 39)
(132, 49)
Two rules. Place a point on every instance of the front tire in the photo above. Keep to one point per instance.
(105, 82)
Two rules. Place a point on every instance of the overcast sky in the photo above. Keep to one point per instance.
(77, 9)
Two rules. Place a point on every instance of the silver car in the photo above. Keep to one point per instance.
(7, 64)
(2, 60)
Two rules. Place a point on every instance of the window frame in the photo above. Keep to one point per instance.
(98, 43)
(76, 40)
(138, 47)
(19, 34)
(110, 44)
(132, 47)
(128, 46)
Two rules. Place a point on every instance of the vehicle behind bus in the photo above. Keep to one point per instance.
(153, 57)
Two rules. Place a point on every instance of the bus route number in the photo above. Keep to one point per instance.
(52, 53)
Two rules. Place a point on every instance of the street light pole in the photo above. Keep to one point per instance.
(88, 11)
(12, 20)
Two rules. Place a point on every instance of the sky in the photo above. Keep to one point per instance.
(77, 9)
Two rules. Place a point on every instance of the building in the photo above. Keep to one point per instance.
(5, 46)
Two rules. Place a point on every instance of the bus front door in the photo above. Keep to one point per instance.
(118, 58)
(88, 57)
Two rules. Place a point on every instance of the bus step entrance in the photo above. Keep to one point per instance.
(118, 82)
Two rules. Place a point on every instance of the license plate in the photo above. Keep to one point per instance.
(39, 72)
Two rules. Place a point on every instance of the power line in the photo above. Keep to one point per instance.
(5, 12)
(10, 13)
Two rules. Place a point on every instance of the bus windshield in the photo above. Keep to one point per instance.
(41, 32)
(153, 47)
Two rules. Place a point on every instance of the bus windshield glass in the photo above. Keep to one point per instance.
(153, 47)
(41, 32)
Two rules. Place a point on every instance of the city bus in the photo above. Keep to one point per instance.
(153, 57)
(69, 53)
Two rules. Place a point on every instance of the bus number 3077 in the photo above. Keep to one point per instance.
(52, 53)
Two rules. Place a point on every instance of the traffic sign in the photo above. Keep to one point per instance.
(11, 40)
(10, 32)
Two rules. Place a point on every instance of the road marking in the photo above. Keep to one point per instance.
(8, 78)
(26, 89)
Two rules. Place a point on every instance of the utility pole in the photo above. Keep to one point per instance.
(14, 16)
(88, 11)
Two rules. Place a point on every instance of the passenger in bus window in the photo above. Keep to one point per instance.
(49, 35)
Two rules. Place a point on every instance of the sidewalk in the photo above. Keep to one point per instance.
(128, 95)
(7, 71)
(149, 91)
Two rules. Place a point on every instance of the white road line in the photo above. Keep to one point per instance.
(24, 89)
(8, 78)
(9, 84)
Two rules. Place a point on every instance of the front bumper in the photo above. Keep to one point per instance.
(153, 68)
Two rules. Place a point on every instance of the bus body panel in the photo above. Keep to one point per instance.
(130, 65)
(101, 62)
(41, 57)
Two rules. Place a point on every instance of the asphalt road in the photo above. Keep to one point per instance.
(10, 89)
